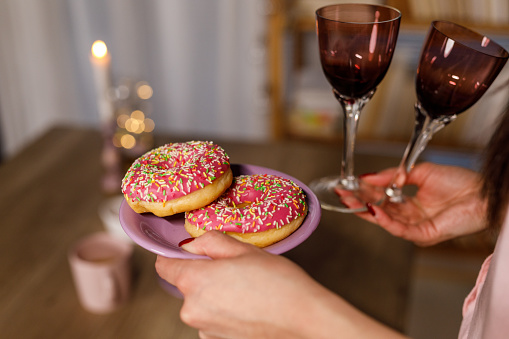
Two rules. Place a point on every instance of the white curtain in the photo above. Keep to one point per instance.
(205, 60)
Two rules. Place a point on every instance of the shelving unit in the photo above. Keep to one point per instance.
(490, 16)
(297, 82)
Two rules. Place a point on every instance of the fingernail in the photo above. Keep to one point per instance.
(366, 174)
(185, 241)
(370, 209)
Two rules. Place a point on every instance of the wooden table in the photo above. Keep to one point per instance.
(50, 194)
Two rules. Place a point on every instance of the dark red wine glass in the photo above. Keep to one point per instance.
(356, 44)
(456, 67)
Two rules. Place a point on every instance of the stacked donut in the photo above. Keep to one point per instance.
(177, 177)
(195, 177)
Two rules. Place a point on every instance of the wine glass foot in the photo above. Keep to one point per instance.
(337, 195)
(394, 195)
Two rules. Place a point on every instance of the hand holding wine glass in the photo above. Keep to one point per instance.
(356, 45)
(447, 204)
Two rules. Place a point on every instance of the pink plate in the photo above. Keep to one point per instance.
(162, 235)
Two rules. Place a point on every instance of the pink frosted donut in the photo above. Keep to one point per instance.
(177, 177)
(258, 209)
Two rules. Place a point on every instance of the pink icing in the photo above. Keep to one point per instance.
(174, 170)
(271, 202)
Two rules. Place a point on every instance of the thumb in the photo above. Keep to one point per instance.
(217, 245)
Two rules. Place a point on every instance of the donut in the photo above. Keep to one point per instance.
(257, 209)
(177, 177)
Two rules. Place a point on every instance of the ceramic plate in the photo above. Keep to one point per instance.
(162, 235)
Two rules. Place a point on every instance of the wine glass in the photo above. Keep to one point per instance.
(456, 67)
(356, 45)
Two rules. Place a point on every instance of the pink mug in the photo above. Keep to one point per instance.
(101, 269)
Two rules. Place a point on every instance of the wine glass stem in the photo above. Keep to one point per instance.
(424, 129)
(352, 108)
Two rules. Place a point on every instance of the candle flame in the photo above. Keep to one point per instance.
(99, 49)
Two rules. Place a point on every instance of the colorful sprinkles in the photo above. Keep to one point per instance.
(254, 203)
(174, 170)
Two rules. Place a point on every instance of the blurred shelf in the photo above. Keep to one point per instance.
(487, 16)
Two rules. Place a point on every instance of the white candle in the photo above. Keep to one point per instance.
(101, 62)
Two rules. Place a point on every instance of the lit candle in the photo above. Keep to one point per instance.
(101, 60)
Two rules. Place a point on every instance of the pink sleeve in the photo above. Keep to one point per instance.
(471, 299)
(486, 308)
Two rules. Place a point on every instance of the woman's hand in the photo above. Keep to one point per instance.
(246, 292)
(447, 204)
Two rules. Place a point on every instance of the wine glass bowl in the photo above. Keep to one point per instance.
(456, 67)
(356, 43)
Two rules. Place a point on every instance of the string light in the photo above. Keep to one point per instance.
(127, 141)
(144, 91)
(134, 128)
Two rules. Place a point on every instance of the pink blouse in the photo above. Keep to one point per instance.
(486, 308)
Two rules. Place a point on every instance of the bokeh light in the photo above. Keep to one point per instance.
(127, 141)
(144, 91)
